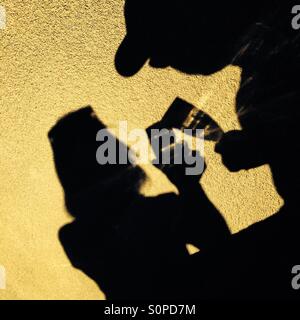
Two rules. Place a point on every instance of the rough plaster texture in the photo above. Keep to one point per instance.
(56, 56)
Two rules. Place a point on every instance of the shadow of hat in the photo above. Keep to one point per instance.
(131, 56)
(144, 20)
(133, 52)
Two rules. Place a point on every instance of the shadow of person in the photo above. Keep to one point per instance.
(262, 256)
(124, 241)
(119, 238)
(134, 246)
(197, 38)
(257, 263)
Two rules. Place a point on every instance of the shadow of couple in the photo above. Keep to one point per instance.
(134, 246)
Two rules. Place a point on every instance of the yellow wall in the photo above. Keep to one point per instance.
(56, 56)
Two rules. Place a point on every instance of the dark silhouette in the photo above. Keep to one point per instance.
(133, 246)
(197, 38)
(124, 241)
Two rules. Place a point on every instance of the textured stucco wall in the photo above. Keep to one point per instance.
(56, 56)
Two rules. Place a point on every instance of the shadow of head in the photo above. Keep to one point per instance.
(195, 37)
(91, 188)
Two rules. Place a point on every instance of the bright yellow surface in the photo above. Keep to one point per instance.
(56, 56)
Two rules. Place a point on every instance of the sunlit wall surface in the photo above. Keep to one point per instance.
(57, 56)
